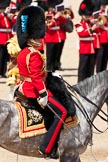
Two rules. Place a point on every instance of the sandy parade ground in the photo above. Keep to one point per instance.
(99, 151)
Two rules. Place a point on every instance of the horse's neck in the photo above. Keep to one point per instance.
(95, 89)
(93, 102)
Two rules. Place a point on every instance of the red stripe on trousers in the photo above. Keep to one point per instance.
(59, 125)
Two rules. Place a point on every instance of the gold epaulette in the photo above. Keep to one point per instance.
(13, 47)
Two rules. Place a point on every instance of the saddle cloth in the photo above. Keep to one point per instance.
(31, 122)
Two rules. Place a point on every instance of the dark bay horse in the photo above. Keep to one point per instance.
(72, 141)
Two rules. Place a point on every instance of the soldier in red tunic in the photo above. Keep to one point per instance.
(66, 14)
(32, 69)
(100, 18)
(5, 34)
(102, 59)
(86, 41)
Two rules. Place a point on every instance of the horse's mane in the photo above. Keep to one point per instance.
(59, 90)
(89, 84)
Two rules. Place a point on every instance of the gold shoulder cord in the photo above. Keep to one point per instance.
(43, 56)
(27, 61)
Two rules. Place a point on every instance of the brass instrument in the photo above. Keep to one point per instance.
(49, 19)
(67, 12)
(102, 20)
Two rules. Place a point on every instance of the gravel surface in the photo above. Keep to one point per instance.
(99, 151)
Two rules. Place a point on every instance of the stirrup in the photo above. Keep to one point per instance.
(52, 155)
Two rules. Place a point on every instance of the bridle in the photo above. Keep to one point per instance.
(73, 92)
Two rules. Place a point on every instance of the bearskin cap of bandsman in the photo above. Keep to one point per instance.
(45, 4)
(86, 8)
(42, 3)
(104, 2)
(53, 3)
(30, 24)
(4, 3)
(22, 3)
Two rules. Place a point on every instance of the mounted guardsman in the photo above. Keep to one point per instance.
(32, 69)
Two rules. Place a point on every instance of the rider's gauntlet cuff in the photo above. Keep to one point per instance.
(43, 94)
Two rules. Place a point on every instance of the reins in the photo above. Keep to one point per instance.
(84, 112)
(73, 90)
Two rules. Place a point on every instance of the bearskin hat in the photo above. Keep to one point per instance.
(4, 3)
(97, 4)
(104, 2)
(86, 8)
(42, 4)
(45, 4)
(53, 3)
(30, 24)
(22, 3)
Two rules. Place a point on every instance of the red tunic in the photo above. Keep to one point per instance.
(31, 64)
(5, 29)
(85, 38)
(61, 20)
(104, 30)
(62, 34)
(104, 34)
(53, 33)
(96, 41)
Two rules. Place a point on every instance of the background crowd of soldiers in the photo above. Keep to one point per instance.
(93, 38)
(92, 31)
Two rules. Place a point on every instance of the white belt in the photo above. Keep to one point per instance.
(55, 28)
(106, 28)
(86, 39)
(5, 30)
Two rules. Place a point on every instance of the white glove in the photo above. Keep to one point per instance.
(56, 75)
(43, 101)
(7, 10)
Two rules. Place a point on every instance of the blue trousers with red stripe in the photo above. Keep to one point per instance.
(54, 130)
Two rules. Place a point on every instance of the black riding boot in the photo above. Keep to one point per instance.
(53, 154)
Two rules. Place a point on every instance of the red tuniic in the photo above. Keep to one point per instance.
(32, 65)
